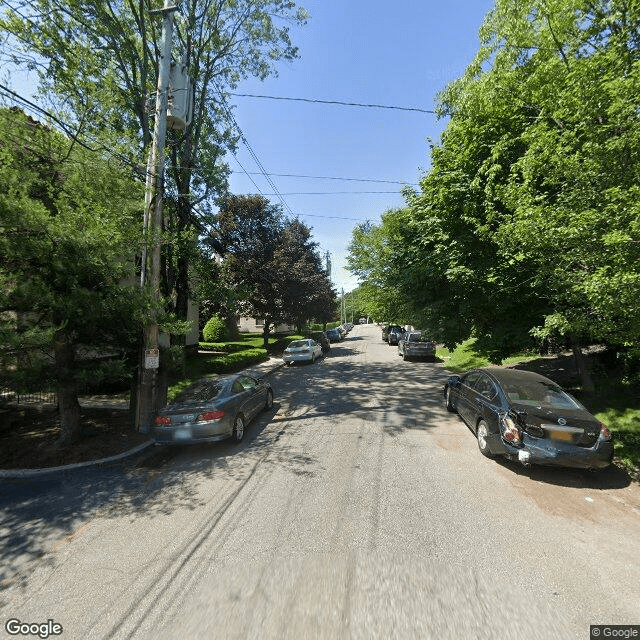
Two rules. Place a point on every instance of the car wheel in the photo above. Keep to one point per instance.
(450, 406)
(238, 428)
(269, 403)
(482, 432)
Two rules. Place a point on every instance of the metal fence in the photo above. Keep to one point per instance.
(44, 396)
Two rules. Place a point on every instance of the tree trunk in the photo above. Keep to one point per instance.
(68, 405)
(265, 334)
(231, 322)
(581, 366)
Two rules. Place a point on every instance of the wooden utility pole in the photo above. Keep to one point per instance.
(147, 392)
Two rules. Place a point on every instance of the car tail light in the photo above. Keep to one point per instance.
(160, 420)
(511, 432)
(210, 415)
(605, 434)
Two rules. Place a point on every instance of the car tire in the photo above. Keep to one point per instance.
(404, 356)
(238, 428)
(482, 431)
(448, 402)
(269, 402)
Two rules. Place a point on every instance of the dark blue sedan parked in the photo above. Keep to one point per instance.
(527, 417)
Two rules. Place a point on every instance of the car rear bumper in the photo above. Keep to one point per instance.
(298, 357)
(541, 451)
(419, 353)
(190, 434)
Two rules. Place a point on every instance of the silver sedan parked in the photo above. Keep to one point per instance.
(302, 351)
(415, 344)
(212, 409)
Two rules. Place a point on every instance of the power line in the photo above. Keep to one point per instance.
(251, 151)
(339, 102)
(325, 193)
(297, 175)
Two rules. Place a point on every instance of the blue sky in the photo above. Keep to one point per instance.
(398, 54)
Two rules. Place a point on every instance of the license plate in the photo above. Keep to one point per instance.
(565, 436)
(182, 434)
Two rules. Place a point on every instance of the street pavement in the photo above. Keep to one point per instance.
(356, 508)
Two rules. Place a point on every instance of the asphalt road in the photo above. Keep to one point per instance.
(357, 508)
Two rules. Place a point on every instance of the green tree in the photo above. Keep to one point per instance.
(69, 235)
(99, 60)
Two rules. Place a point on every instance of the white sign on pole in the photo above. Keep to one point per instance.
(151, 358)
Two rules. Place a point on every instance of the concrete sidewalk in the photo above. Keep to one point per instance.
(260, 370)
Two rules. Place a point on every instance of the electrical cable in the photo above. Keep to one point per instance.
(338, 102)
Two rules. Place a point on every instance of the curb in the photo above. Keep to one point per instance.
(36, 473)
(7, 474)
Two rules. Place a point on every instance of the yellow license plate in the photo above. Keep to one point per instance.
(565, 436)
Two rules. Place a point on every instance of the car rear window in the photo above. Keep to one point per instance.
(200, 392)
(297, 344)
(539, 393)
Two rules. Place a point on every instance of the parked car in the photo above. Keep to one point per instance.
(363, 321)
(415, 344)
(212, 409)
(527, 417)
(302, 351)
(334, 335)
(322, 339)
(387, 328)
(394, 335)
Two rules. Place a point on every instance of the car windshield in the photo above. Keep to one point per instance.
(201, 392)
(297, 344)
(539, 393)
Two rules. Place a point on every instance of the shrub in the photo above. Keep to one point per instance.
(215, 330)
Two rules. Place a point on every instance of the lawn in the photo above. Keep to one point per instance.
(464, 357)
(215, 358)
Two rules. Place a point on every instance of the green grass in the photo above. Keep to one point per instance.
(204, 365)
(615, 403)
(464, 357)
(227, 357)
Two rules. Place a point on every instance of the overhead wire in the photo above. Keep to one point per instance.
(337, 102)
(263, 171)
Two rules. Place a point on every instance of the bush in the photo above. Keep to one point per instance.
(215, 330)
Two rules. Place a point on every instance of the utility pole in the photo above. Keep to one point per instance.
(147, 393)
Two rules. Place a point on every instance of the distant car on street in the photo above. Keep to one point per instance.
(394, 335)
(334, 335)
(415, 344)
(302, 351)
(527, 417)
(363, 321)
(388, 328)
(212, 409)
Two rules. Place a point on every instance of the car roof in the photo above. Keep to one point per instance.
(507, 374)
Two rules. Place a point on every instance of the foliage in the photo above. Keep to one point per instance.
(526, 229)
(97, 60)
(215, 330)
(70, 233)
(269, 262)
